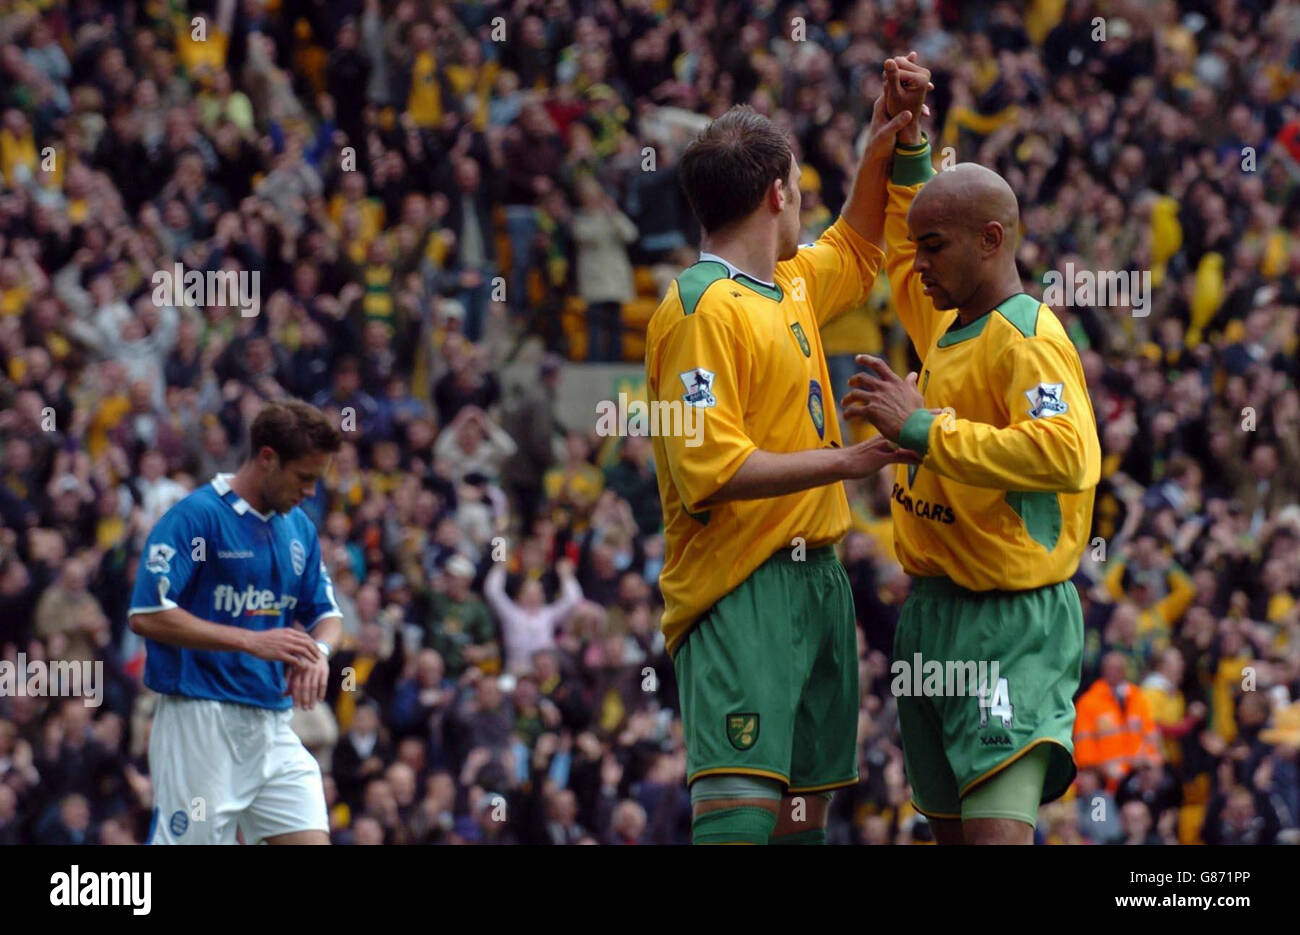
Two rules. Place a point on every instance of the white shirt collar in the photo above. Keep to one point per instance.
(732, 270)
(221, 484)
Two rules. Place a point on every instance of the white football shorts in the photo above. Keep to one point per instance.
(219, 767)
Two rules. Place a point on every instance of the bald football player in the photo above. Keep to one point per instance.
(992, 523)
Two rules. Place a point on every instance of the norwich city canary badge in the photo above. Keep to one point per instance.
(802, 339)
(815, 408)
(742, 730)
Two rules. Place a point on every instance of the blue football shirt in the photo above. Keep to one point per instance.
(215, 556)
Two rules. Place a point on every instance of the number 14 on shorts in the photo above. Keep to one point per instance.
(996, 704)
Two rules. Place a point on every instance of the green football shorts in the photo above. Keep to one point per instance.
(768, 678)
(1024, 647)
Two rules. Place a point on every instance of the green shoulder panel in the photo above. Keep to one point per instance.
(694, 281)
(1022, 311)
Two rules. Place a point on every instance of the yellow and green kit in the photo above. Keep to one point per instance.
(758, 612)
(991, 524)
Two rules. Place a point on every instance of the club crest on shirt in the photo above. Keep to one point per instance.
(699, 388)
(802, 339)
(179, 823)
(159, 560)
(1045, 400)
(742, 730)
(298, 555)
(815, 408)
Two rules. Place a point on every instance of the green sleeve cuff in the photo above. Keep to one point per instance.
(912, 164)
(916, 431)
(913, 147)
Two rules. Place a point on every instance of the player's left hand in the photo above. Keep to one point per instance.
(883, 131)
(307, 683)
(881, 397)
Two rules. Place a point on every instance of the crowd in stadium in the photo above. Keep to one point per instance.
(433, 194)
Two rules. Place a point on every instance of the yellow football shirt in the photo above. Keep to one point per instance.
(746, 358)
(424, 103)
(1003, 499)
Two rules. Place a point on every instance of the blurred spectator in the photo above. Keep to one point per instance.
(1175, 719)
(602, 232)
(460, 627)
(632, 477)
(1097, 813)
(361, 753)
(1113, 729)
(1139, 828)
(528, 624)
(574, 487)
(472, 444)
(561, 818)
(69, 612)
(1240, 816)
(529, 417)
(469, 219)
(69, 824)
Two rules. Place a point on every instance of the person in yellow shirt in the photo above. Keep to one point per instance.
(1144, 579)
(424, 102)
(758, 610)
(573, 488)
(201, 44)
(992, 523)
(352, 193)
(1234, 655)
(17, 149)
(1174, 718)
(1278, 603)
(471, 79)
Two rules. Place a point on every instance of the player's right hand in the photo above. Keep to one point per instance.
(906, 85)
(866, 458)
(285, 644)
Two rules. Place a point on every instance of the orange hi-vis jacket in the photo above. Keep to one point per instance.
(1114, 736)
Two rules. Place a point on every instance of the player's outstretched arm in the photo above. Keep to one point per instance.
(906, 84)
(774, 474)
(177, 627)
(720, 462)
